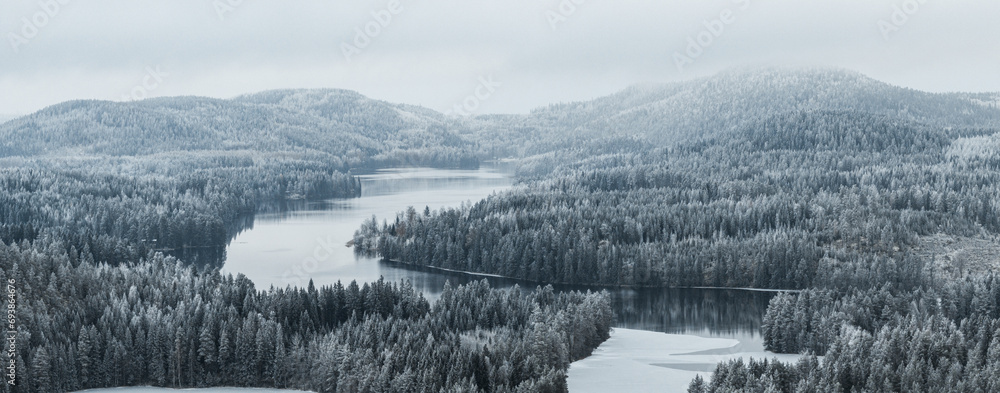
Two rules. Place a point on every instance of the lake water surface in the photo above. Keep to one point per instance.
(308, 241)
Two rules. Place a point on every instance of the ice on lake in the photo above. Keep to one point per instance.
(642, 361)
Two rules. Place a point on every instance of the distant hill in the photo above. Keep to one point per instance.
(349, 126)
(674, 112)
(334, 122)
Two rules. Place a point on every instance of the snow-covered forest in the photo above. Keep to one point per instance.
(114, 219)
(814, 179)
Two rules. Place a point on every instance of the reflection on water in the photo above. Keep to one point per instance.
(723, 313)
(307, 240)
(685, 310)
(700, 312)
(408, 180)
(299, 241)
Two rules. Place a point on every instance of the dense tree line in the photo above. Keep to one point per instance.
(760, 207)
(189, 207)
(932, 339)
(158, 322)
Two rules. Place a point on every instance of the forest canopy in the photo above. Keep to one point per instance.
(114, 218)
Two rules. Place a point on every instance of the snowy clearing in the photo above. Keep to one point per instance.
(150, 389)
(643, 361)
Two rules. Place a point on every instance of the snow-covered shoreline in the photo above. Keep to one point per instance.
(465, 272)
(489, 275)
(643, 361)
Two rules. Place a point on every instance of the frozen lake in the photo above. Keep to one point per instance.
(308, 241)
(640, 361)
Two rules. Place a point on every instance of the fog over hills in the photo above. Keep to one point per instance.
(340, 122)
(674, 112)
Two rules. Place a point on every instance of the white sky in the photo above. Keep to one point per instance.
(433, 52)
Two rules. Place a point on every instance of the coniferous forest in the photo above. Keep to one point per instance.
(115, 217)
(814, 180)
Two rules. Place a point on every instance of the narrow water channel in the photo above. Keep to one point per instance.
(310, 242)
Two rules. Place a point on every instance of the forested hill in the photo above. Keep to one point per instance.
(180, 174)
(348, 126)
(345, 126)
(671, 113)
(808, 178)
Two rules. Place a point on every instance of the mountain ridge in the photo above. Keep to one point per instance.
(339, 121)
(338, 126)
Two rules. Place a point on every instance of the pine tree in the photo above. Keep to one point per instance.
(697, 385)
(41, 371)
(84, 360)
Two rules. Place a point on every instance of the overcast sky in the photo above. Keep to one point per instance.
(436, 53)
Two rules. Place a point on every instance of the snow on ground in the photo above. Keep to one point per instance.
(149, 389)
(470, 273)
(643, 361)
(635, 361)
